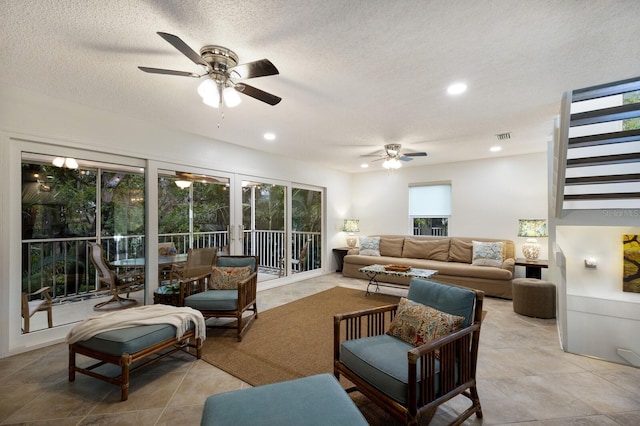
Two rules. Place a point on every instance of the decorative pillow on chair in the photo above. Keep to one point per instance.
(418, 324)
(488, 254)
(227, 278)
(370, 246)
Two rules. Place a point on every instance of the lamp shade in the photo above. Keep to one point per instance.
(351, 225)
(532, 228)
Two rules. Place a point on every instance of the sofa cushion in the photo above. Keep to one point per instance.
(227, 278)
(460, 251)
(488, 253)
(418, 324)
(443, 268)
(370, 246)
(426, 249)
(391, 246)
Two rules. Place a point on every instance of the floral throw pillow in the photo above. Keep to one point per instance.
(227, 278)
(370, 246)
(488, 254)
(419, 324)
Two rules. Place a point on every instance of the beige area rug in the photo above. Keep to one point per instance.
(288, 342)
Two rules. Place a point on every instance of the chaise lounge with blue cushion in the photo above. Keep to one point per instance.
(132, 346)
(411, 357)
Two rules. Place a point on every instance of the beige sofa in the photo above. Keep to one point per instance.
(452, 257)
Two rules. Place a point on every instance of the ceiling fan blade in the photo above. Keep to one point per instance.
(405, 158)
(177, 42)
(415, 154)
(169, 72)
(260, 68)
(257, 94)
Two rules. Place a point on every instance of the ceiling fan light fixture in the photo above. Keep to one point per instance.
(71, 163)
(210, 93)
(392, 164)
(208, 89)
(183, 184)
(231, 97)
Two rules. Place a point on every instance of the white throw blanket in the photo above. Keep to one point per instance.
(180, 318)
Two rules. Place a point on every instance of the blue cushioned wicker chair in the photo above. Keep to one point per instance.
(227, 303)
(409, 381)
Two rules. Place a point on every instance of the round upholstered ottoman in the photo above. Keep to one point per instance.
(534, 298)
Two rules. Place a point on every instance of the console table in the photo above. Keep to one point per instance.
(372, 271)
(533, 268)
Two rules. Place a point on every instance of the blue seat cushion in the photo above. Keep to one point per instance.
(129, 340)
(234, 262)
(213, 300)
(382, 361)
(314, 400)
(446, 298)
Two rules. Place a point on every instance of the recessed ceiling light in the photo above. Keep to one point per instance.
(457, 88)
(495, 148)
(270, 136)
(364, 165)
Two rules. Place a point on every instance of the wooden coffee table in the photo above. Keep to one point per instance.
(372, 271)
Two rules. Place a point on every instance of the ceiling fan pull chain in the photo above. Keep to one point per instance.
(221, 113)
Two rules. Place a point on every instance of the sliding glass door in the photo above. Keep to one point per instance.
(263, 225)
(193, 211)
(306, 229)
(67, 203)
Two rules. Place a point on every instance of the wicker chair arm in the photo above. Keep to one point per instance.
(433, 346)
(188, 285)
(457, 355)
(363, 323)
(45, 290)
(247, 289)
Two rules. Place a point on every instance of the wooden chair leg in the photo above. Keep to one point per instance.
(50, 316)
(72, 363)
(239, 330)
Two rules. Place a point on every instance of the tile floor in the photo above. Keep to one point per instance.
(524, 378)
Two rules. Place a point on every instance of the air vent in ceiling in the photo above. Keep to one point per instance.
(503, 136)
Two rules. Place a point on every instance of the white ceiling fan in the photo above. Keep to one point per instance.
(393, 158)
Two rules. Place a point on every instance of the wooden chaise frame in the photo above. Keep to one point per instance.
(154, 353)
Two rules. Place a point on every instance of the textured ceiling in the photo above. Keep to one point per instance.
(354, 75)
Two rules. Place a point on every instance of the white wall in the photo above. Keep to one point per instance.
(600, 317)
(64, 126)
(488, 197)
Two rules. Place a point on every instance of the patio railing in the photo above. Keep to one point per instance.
(64, 263)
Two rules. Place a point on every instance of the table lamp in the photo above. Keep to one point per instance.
(351, 226)
(531, 228)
